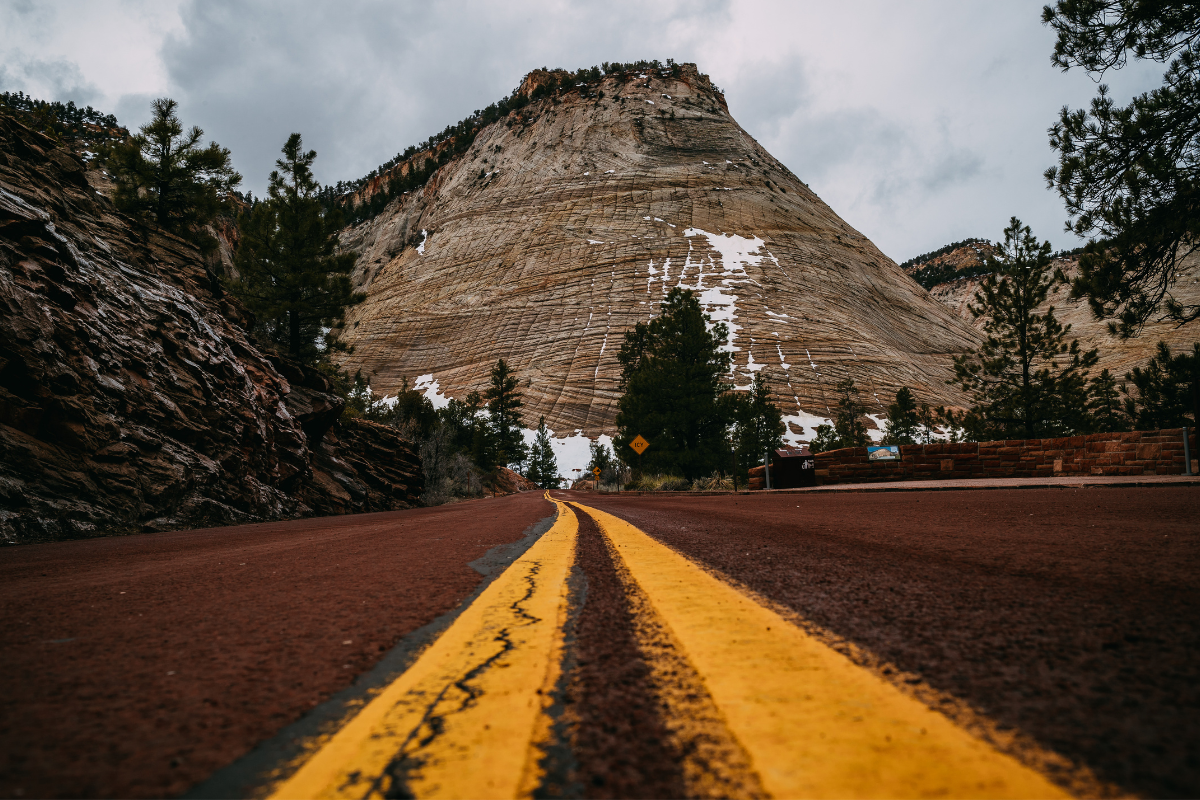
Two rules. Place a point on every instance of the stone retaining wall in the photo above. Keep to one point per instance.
(1135, 453)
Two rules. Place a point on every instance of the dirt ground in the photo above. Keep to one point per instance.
(136, 666)
(1071, 615)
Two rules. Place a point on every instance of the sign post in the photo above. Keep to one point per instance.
(639, 445)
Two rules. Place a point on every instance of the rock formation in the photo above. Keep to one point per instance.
(130, 396)
(567, 221)
(1117, 355)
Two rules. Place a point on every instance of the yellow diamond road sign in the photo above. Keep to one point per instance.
(639, 444)
(596, 471)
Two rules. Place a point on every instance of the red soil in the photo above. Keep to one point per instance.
(1072, 615)
(136, 666)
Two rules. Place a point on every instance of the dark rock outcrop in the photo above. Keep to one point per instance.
(131, 397)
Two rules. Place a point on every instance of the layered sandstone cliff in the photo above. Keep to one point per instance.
(131, 397)
(567, 221)
(1116, 354)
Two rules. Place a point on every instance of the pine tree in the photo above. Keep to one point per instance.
(672, 371)
(601, 456)
(1104, 405)
(461, 417)
(504, 410)
(849, 428)
(758, 426)
(903, 419)
(1167, 390)
(289, 273)
(1026, 381)
(411, 412)
(1130, 174)
(163, 174)
(850, 423)
(543, 466)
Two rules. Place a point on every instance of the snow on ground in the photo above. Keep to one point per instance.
(807, 421)
(427, 386)
(880, 420)
(718, 300)
(421, 246)
(571, 452)
(786, 366)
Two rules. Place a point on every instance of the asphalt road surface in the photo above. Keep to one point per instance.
(976, 643)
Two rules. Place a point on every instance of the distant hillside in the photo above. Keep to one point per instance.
(953, 262)
(566, 221)
(81, 129)
(952, 275)
(365, 198)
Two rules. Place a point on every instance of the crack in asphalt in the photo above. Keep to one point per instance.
(407, 762)
(276, 759)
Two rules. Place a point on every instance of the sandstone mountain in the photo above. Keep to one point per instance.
(567, 220)
(1117, 355)
(131, 397)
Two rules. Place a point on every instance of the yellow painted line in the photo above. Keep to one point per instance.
(466, 719)
(814, 723)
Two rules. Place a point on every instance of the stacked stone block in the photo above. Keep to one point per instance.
(1133, 453)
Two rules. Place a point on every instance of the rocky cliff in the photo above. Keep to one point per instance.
(568, 220)
(131, 397)
(1117, 355)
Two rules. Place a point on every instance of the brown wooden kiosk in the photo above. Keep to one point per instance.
(791, 468)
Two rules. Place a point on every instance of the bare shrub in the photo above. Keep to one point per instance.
(449, 475)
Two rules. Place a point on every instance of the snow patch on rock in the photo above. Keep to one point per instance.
(427, 386)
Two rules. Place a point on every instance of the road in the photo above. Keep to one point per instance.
(999, 643)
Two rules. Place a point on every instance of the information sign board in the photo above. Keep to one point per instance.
(888, 452)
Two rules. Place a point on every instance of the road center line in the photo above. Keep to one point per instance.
(467, 719)
(814, 723)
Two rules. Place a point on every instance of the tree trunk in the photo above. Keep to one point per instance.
(294, 332)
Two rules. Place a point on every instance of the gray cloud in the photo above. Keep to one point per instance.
(58, 78)
(919, 123)
(362, 86)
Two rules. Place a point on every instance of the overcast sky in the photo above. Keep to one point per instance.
(919, 123)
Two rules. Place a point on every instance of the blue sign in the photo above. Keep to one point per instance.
(888, 452)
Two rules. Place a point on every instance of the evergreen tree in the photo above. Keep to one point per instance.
(461, 418)
(671, 371)
(1167, 390)
(411, 412)
(360, 401)
(543, 466)
(601, 456)
(1104, 405)
(758, 426)
(1131, 174)
(289, 273)
(903, 419)
(850, 423)
(163, 174)
(849, 428)
(504, 409)
(1026, 381)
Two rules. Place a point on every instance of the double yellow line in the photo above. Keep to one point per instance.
(470, 717)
